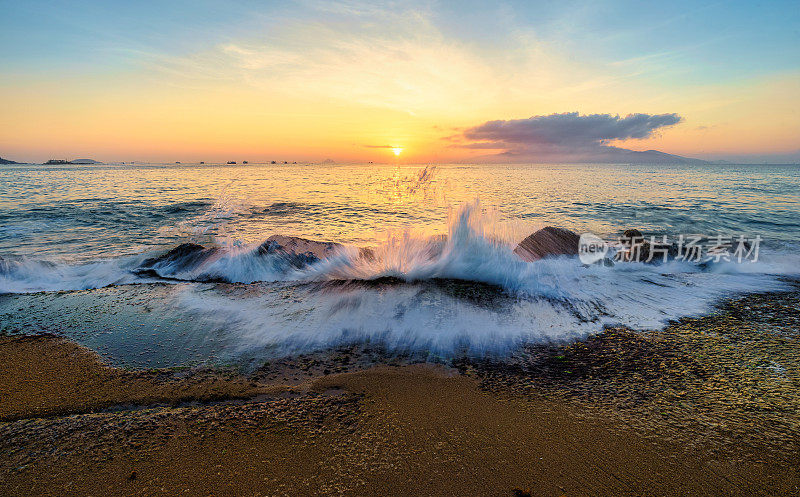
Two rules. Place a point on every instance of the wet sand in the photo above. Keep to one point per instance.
(72, 426)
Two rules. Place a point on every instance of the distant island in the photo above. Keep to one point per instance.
(52, 162)
(596, 155)
(650, 157)
(6, 161)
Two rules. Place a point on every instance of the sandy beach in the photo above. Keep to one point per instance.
(74, 426)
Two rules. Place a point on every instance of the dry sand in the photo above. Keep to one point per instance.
(72, 426)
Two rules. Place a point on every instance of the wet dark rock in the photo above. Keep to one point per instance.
(294, 252)
(184, 257)
(548, 242)
(182, 251)
(298, 252)
(297, 245)
(632, 234)
(639, 248)
(292, 259)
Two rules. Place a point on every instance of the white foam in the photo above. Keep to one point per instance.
(551, 299)
(27, 275)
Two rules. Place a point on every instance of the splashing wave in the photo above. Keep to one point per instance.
(464, 290)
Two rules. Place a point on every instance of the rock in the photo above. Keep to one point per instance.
(632, 234)
(297, 245)
(548, 242)
(182, 251)
(294, 251)
(298, 252)
(641, 249)
(290, 257)
(185, 256)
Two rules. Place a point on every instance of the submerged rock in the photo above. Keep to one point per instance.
(548, 242)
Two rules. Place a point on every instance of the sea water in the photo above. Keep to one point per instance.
(442, 276)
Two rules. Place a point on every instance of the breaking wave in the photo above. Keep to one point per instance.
(464, 290)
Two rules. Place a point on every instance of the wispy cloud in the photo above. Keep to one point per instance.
(362, 55)
(390, 57)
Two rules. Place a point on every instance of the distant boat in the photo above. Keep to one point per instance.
(177, 162)
(201, 162)
(244, 162)
(273, 162)
(231, 162)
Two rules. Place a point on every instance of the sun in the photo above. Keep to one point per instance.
(397, 151)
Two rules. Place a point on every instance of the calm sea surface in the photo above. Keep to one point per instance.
(82, 213)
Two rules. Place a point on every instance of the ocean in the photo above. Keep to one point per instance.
(442, 278)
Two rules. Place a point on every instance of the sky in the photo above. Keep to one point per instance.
(436, 81)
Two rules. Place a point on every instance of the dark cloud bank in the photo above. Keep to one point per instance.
(570, 137)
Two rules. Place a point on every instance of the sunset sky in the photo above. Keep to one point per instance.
(305, 81)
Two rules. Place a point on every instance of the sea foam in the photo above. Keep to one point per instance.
(463, 291)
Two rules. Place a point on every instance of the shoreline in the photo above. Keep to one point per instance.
(550, 425)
